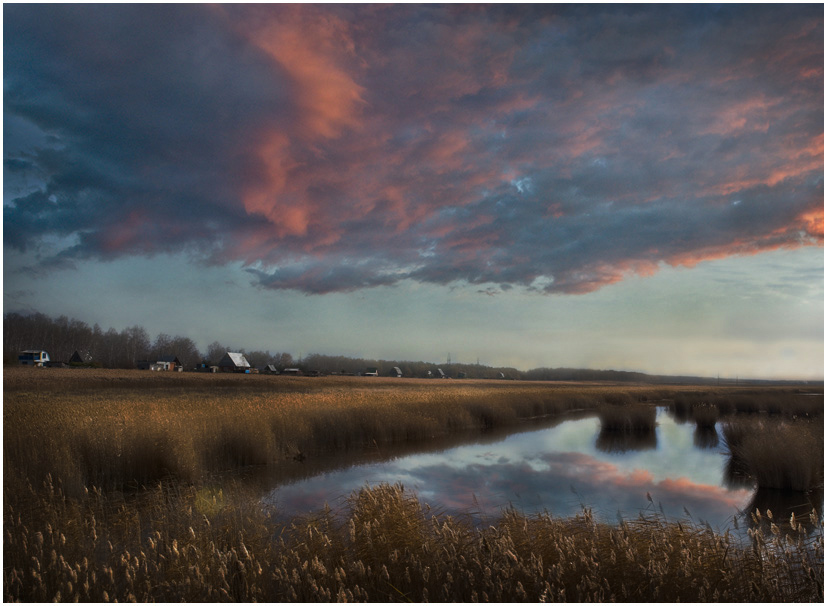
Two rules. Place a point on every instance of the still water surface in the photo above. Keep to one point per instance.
(559, 469)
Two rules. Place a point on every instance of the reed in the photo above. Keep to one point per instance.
(636, 419)
(179, 544)
(705, 415)
(128, 510)
(778, 454)
(117, 429)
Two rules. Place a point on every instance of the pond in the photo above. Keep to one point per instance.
(559, 469)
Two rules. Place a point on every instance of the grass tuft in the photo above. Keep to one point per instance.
(382, 546)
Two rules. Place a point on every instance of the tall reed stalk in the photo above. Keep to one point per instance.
(780, 455)
(180, 544)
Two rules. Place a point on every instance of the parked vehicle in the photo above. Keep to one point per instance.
(33, 357)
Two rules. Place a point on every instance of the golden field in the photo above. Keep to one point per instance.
(106, 495)
(113, 429)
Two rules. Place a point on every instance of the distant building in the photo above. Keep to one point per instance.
(270, 369)
(371, 372)
(173, 361)
(396, 372)
(291, 371)
(164, 363)
(81, 357)
(33, 357)
(233, 362)
(440, 374)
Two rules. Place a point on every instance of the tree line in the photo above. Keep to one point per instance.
(62, 336)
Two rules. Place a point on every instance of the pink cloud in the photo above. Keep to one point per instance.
(455, 144)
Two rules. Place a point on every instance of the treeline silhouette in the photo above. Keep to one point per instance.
(62, 336)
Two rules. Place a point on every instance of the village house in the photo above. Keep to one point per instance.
(81, 357)
(233, 362)
(173, 362)
(164, 363)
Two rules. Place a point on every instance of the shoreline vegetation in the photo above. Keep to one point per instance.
(106, 494)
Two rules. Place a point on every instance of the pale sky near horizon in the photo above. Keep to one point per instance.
(627, 187)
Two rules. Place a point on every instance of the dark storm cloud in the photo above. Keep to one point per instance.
(332, 148)
(148, 110)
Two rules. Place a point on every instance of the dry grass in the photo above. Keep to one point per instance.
(628, 419)
(199, 546)
(705, 415)
(179, 539)
(116, 429)
(777, 454)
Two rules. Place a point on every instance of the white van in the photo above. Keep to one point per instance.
(33, 357)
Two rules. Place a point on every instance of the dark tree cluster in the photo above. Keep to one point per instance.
(62, 336)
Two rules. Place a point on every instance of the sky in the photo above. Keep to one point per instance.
(604, 186)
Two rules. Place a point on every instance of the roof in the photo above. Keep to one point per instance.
(169, 359)
(236, 359)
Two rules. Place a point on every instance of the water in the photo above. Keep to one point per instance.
(558, 469)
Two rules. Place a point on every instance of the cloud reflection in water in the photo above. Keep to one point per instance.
(559, 470)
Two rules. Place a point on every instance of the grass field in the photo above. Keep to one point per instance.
(106, 494)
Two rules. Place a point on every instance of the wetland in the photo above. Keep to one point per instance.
(124, 485)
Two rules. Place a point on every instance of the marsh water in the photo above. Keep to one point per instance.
(675, 471)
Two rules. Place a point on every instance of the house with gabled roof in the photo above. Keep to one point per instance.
(173, 361)
(81, 357)
(233, 362)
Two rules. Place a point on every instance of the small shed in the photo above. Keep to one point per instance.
(371, 372)
(396, 372)
(81, 357)
(270, 369)
(439, 373)
(173, 361)
(233, 362)
(291, 371)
